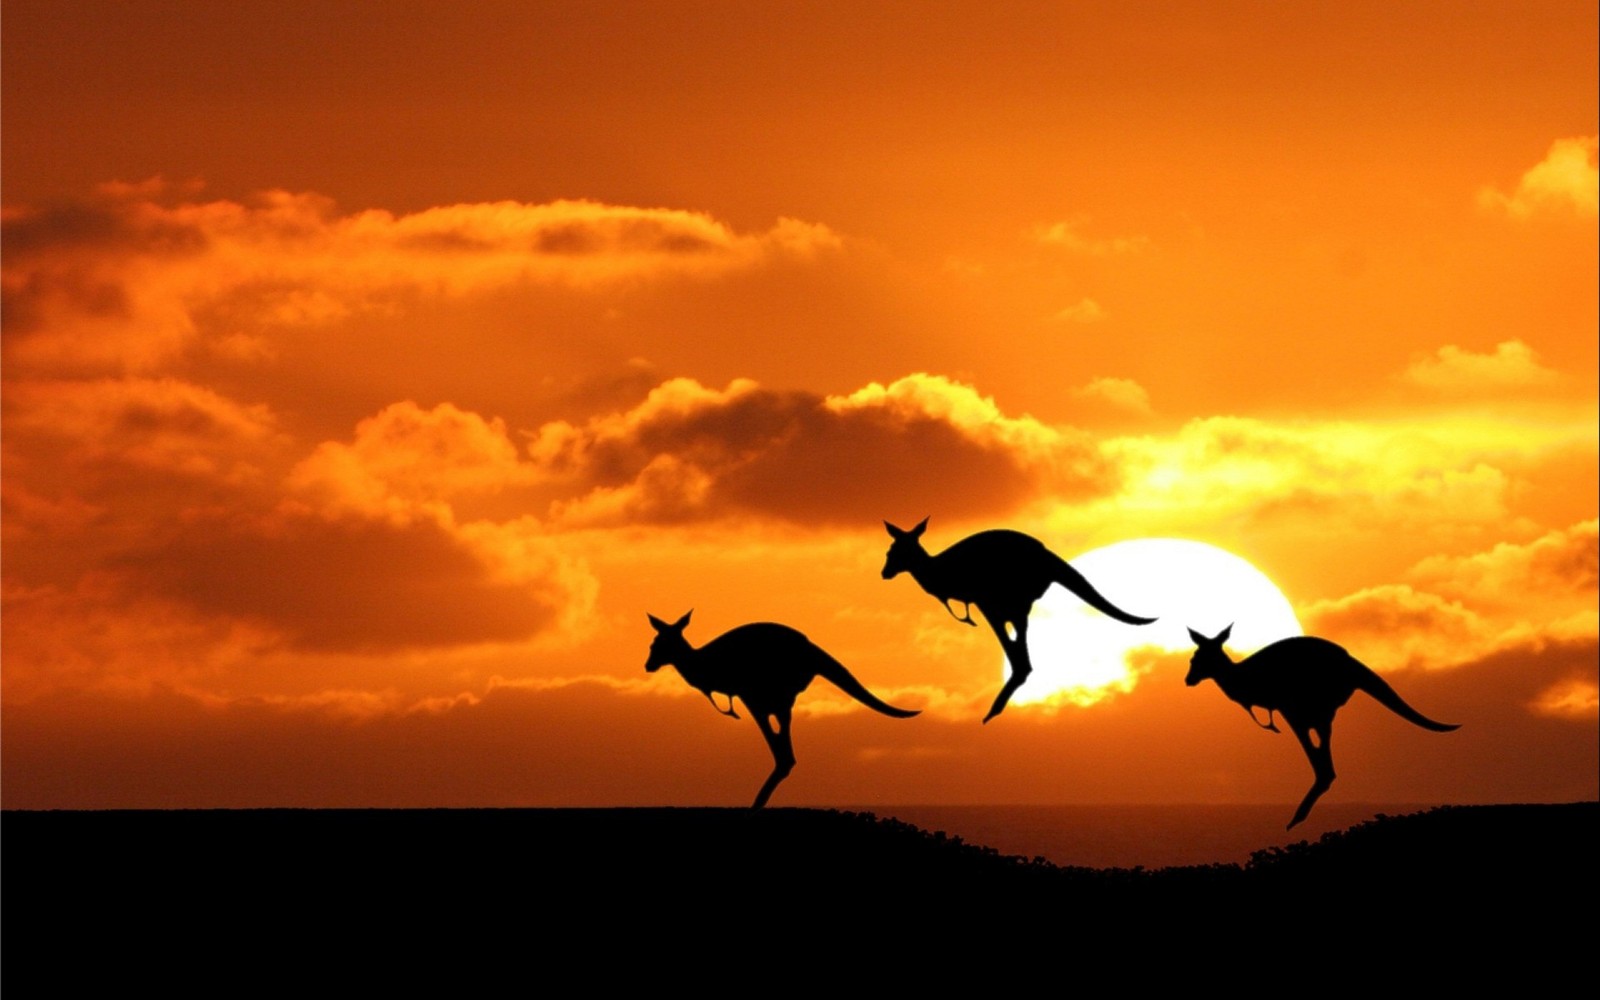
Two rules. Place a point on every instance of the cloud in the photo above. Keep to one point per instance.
(1556, 572)
(151, 425)
(689, 452)
(1221, 467)
(407, 462)
(1513, 366)
(100, 635)
(1578, 698)
(357, 585)
(1083, 311)
(1326, 507)
(1119, 393)
(166, 491)
(95, 466)
(1565, 181)
(1069, 236)
(1460, 609)
(127, 282)
(1395, 627)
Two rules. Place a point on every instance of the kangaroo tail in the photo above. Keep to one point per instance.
(1075, 582)
(1386, 696)
(845, 681)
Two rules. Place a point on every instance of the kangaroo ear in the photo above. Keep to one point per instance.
(683, 622)
(1223, 635)
(1199, 640)
(895, 533)
(920, 528)
(656, 623)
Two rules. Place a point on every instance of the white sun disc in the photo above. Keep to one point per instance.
(1080, 655)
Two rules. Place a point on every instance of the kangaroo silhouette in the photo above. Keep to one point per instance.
(1001, 573)
(1306, 680)
(764, 665)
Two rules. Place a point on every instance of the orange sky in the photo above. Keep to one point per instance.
(370, 373)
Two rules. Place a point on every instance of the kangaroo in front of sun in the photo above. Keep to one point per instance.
(1001, 573)
(1306, 680)
(766, 666)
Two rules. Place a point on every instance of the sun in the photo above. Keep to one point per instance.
(1080, 656)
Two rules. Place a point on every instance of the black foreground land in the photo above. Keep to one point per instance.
(1493, 886)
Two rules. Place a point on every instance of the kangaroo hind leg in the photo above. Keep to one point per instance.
(775, 729)
(1016, 650)
(1314, 739)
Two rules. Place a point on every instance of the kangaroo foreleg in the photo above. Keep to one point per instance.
(725, 711)
(1268, 725)
(1321, 757)
(965, 616)
(782, 748)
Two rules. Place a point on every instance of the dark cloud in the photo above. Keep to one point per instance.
(110, 225)
(71, 253)
(345, 585)
(791, 455)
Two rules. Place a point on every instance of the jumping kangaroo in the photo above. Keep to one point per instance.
(1001, 573)
(1306, 680)
(765, 666)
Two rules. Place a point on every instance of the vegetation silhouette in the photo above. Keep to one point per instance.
(766, 666)
(1001, 573)
(1306, 680)
(1497, 887)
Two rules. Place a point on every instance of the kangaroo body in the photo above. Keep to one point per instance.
(1001, 573)
(1306, 680)
(766, 666)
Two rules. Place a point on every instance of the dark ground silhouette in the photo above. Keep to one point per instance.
(1457, 894)
(1001, 573)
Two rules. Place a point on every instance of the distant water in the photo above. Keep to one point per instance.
(1133, 836)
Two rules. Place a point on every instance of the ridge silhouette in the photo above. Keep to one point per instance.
(1001, 573)
(1306, 680)
(766, 666)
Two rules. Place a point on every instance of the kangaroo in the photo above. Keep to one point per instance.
(1001, 573)
(1306, 680)
(764, 665)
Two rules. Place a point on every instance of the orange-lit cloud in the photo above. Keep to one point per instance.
(154, 425)
(1461, 609)
(1571, 699)
(1119, 393)
(1565, 181)
(1427, 475)
(347, 584)
(407, 462)
(690, 452)
(1513, 366)
(101, 635)
(1551, 573)
(1069, 235)
(1083, 311)
(126, 282)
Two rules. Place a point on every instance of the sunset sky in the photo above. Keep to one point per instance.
(371, 370)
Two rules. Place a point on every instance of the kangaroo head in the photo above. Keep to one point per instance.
(1208, 656)
(905, 551)
(669, 646)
